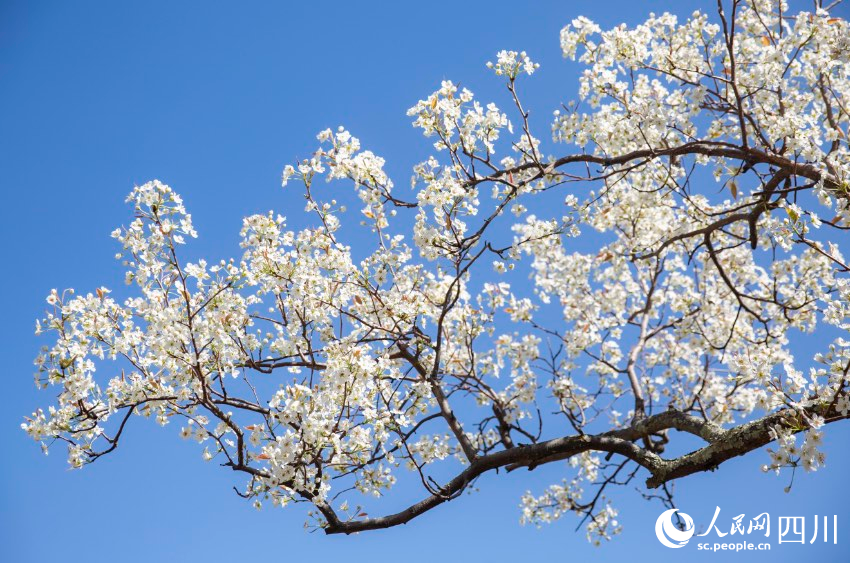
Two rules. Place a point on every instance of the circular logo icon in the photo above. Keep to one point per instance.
(667, 532)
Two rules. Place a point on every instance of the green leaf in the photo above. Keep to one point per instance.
(792, 214)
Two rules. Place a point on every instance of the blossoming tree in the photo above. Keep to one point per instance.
(683, 236)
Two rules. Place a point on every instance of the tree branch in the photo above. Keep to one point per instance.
(722, 445)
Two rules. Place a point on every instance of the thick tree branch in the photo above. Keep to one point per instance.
(722, 446)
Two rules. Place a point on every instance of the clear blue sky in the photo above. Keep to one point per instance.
(214, 98)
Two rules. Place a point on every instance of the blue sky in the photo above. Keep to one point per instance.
(214, 98)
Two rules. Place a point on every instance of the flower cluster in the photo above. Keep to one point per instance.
(511, 64)
(668, 262)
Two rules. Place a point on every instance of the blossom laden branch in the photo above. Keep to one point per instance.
(674, 245)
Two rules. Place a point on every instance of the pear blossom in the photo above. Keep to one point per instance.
(512, 308)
